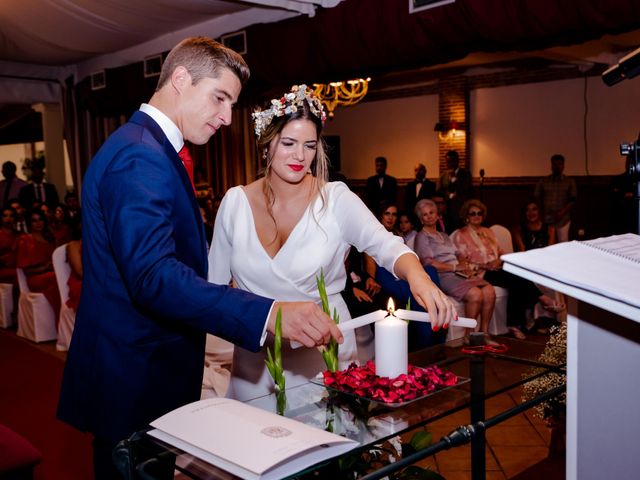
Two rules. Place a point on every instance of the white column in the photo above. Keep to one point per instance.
(52, 128)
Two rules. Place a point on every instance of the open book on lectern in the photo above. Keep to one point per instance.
(247, 441)
(608, 266)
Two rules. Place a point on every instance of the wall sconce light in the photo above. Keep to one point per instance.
(448, 130)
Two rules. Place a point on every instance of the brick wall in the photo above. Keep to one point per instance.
(453, 106)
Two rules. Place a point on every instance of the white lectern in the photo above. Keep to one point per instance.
(602, 280)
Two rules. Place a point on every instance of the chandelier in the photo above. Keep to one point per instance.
(343, 94)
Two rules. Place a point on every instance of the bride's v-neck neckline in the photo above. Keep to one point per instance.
(255, 228)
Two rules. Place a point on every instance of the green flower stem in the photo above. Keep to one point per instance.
(274, 365)
(330, 352)
(408, 307)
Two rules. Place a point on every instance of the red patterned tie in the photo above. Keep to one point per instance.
(185, 156)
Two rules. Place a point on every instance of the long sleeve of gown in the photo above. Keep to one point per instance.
(221, 247)
(361, 229)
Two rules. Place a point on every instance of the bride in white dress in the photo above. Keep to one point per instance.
(273, 236)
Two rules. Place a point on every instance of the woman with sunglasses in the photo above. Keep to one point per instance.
(475, 242)
(478, 244)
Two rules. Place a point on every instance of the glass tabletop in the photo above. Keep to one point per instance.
(370, 422)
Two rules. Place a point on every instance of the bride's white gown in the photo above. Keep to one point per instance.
(321, 239)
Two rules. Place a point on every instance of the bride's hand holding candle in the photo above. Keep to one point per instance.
(427, 294)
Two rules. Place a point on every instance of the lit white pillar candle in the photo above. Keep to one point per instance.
(391, 345)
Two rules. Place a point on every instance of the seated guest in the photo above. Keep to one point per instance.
(478, 244)
(74, 258)
(381, 285)
(34, 257)
(532, 231)
(8, 246)
(60, 224)
(362, 293)
(21, 223)
(444, 223)
(407, 228)
(436, 248)
(73, 205)
(388, 217)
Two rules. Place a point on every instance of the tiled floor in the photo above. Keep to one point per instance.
(514, 448)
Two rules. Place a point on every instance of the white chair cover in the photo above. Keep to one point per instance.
(6, 305)
(36, 320)
(67, 316)
(503, 236)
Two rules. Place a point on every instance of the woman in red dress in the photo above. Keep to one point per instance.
(59, 223)
(8, 246)
(34, 257)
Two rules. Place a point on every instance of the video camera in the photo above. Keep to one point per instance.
(632, 149)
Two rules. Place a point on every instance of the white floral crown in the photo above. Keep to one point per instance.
(286, 105)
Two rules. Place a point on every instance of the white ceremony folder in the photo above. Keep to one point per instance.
(247, 441)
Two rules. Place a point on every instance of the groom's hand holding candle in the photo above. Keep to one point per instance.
(305, 323)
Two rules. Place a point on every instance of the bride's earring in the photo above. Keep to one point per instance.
(264, 154)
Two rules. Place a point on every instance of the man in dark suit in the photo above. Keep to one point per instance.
(456, 184)
(11, 185)
(381, 187)
(38, 191)
(419, 188)
(138, 346)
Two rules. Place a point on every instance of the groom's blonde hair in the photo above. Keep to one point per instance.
(202, 57)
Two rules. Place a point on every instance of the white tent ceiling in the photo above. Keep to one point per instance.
(45, 41)
(51, 39)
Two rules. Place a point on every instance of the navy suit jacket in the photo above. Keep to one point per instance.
(137, 350)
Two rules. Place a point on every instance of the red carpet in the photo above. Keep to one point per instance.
(29, 388)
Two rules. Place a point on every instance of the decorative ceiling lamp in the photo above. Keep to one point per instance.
(342, 94)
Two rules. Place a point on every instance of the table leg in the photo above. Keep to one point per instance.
(477, 413)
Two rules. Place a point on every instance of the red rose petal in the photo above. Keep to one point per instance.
(364, 382)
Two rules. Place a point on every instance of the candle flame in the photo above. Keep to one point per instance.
(391, 307)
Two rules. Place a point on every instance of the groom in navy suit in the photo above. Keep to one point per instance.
(138, 347)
